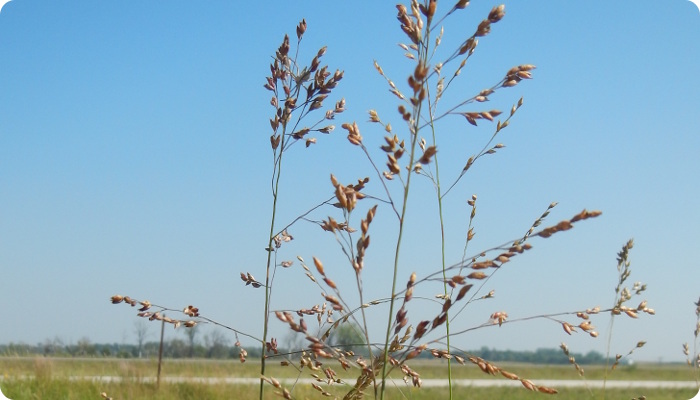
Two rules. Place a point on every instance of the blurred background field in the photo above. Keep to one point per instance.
(68, 378)
(429, 369)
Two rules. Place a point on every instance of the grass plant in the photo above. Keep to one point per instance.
(63, 368)
(409, 154)
(693, 359)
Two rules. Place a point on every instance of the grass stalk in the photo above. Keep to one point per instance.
(266, 317)
(443, 261)
(414, 130)
(397, 251)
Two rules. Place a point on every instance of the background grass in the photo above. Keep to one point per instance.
(50, 380)
(429, 369)
(84, 390)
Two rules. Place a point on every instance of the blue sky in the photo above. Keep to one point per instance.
(134, 159)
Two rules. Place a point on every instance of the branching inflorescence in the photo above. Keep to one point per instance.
(408, 152)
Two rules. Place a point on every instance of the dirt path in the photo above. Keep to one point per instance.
(556, 383)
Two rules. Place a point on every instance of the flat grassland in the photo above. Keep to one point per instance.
(66, 378)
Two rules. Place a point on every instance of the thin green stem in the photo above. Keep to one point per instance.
(414, 130)
(443, 261)
(396, 271)
(438, 192)
(277, 172)
(402, 219)
(267, 275)
(607, 350)
(696, 357)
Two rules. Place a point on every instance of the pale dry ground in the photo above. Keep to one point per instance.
(569, 383)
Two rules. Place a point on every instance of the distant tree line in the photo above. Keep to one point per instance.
(173, 348)
(215, 347)
(539, 356)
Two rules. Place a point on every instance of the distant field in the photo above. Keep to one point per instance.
(50, 380)
(64, 367)
(90, 391)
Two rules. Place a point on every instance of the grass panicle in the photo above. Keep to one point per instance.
(333, 325)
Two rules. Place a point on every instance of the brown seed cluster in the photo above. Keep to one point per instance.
(271, 346)
(319, 268)
(411, 25)
(354, 136)
(401, 316)
(416, 83)
(242, 353)
(363, 241)
(428, 155)
(146, 305)
(492, 369)
(516, 74)
(191, 311)
(317, 310)
(471, 117)
(249, 279)
(567, 224)
(282, 237)
(288, 318)
(585, 326)
(282, 392)
(331, 225)
(499, 317)
(313, 82)
(461, 4)
(428, 11)
(394, 149)
(335, 303)
(564, 348)
(348, 196)
(496, 14)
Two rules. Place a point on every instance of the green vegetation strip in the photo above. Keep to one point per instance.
(84, 390)
(428, 369)
(196, 379)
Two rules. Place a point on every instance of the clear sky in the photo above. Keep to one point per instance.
(135, 159)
